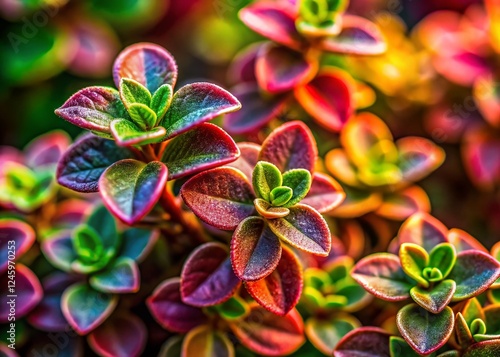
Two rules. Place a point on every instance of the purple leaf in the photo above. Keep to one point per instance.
(82, 165)
(381, 275)
(16, 238)
(474, 272)
(207, 277)
(120, 277)
(86, 308)
(425, 332)
(257, 110)
(291, 146)
(166, 306)
(59, 251)
(325, 193)
(279, 69)
(305, 229)
(364, 341)
(121, 336)
(280, 291)
(130, 188)
(28, 290)
(149, 64)
(221, 197)
(202, 148)
(358, 36)
(197, 103)
(48, 316)
(47, 149)
(255, 250)
(93, 108)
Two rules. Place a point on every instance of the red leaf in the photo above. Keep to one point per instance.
(268, 334)
(120, 336)
(221, 197)
(328, 98)
(280, 291)
(305, 229)
(291, 146)
(274, 22)
(255, 250)
(325, 193)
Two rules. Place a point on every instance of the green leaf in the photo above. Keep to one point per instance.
(399, 348)
(474, 272)
(194, 104)
(85, 309)
(122, 276)
(432, 274)
(484, 349)
(161, 100)
(424, 331)
(435, 299)
(132, 92)
(477, 327)
(87, 244)
(280, 195)
(143, 116)
(205, 341)
(103, 222)
(233, 309)
(325, 334)
(443, 257)
(462, 332)
(130, 188)
(265, 178)
(381, 275)
(414, 259)
(127, 133)
(299, 180)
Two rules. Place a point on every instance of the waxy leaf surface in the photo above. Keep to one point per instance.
(207, 277)
(221, 197)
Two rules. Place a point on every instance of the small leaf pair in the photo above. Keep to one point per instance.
(279, 190)
(109, 259)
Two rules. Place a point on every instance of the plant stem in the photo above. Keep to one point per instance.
(171, 205)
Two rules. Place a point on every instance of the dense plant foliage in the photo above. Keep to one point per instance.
(288, 215)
